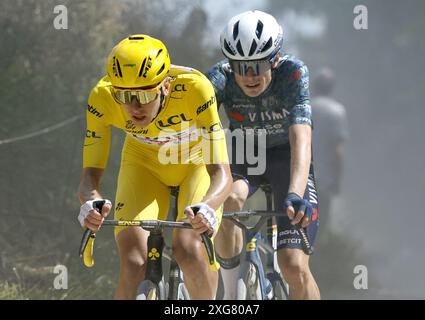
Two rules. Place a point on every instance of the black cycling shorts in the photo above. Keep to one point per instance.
(277, 175)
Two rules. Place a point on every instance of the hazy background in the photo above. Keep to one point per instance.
(47, 74)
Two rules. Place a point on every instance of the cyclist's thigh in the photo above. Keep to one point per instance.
(191, 191)
(240, 176)
(140, 194)
(238, 195)
(193, 188)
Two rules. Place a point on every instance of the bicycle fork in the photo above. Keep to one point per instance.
(255, 268)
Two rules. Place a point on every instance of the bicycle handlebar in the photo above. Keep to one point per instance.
(250, 213)
(148, 224)
(207, 242)
(308, 249)
(88, 235)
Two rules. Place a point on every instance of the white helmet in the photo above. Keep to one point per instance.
(252, 35)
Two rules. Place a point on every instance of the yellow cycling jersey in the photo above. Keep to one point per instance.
(186, 130)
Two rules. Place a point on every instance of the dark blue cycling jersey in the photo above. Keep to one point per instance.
(286, 101)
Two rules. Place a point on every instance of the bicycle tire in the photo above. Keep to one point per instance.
(183, 294)
(248, 286)
(152, 294)
(150, 291)
(280, 290)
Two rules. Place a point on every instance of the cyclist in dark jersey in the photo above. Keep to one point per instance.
(264, 90)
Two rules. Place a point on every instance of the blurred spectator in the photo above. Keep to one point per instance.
(329, 135)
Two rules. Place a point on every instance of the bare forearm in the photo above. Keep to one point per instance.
(300, 140)
(220, 185)
(90, 184)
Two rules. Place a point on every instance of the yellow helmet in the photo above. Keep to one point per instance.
(138, 61)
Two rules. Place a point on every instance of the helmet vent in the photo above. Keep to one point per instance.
(142, 68)
(235, 30)
(159, 52)
(239, 48)
(267, 46)
(227, 48)
(136, 38)
(118, 67)
(253, 47)
(259, 29)
(161, 69)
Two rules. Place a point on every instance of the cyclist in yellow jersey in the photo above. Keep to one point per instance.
(174, 138)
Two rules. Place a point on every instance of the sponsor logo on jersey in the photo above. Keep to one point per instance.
(268, 115)
(94, 111)
(315, 214)
(237, 116)
(242, 106)
(205, 106)
(182, 137)
(312, 193)
(271, 129)
(289, 241)
(287, 237)
(288, 232)
(295, 75)
(92, 134)
(216, 127)
(130, 127)
(173, 120)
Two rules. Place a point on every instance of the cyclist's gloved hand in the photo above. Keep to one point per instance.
(298, 209)
(90, 218)
(204, 219)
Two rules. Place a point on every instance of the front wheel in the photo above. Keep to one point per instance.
(183, 294)
(280, 290)
(248, 286)
(150, 291)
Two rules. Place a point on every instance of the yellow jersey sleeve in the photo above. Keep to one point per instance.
(98, 132)
(214, 150)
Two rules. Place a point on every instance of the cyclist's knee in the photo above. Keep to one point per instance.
(132, 267)
(132, 253)
(294, 267)
(227, 227)
(187, 249)
(237, 197)
(229, 240)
